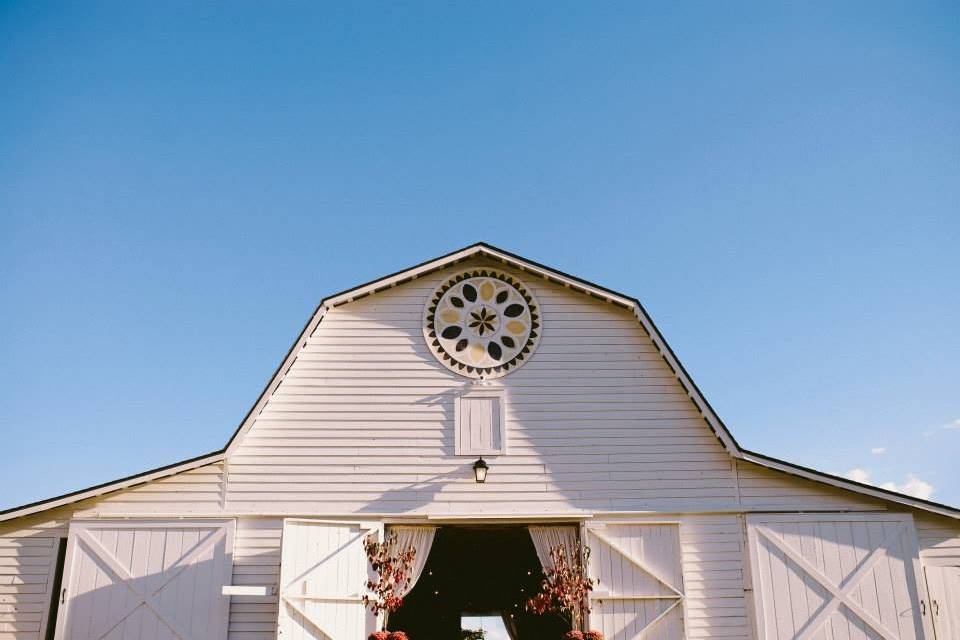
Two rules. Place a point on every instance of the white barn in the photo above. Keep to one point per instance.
(587, 422)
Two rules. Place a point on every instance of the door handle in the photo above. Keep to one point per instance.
(63, 595)
(923, 608)
(935, 607)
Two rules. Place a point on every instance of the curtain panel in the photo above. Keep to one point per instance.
(420, 539)
(546, 537)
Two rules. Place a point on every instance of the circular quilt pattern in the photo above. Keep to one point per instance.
(482, 324)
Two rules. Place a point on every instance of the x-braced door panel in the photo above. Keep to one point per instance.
(835, 576)
(640, 592)
(146, 580)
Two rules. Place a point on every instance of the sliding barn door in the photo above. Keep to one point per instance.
(323, 577)
(835, 577)
(142, 580)
(640, 590)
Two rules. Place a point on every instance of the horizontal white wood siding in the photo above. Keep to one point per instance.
(939, 539)
(763, 489)
(363, 421)
(256, 562)
(713, 577)
(196, 491)
(28, 556)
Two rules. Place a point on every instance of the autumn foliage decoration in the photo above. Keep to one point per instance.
(565, 588)
(583, 635)
(392, 567)
(388, 635)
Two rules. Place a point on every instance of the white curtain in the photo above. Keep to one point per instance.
(546, 537)
(421, 539)
(510, 624)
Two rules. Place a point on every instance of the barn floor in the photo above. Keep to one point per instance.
(476, 570)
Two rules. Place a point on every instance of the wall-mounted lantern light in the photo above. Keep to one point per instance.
(480, 470)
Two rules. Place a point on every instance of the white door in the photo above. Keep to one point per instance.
(943, 586)
(835, 576)
(146, 580)
(640, 590)
(323, 578)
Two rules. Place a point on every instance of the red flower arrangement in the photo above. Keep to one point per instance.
(379, 635)
(392, 567)
(566, 587)
(581, 635)
(398, 635)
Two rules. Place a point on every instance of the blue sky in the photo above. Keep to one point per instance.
(181, 183)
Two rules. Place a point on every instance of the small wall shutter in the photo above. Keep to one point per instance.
(479, 424)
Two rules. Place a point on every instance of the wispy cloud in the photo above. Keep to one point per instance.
(859, 475)
(878, 451)
(950, 426)
(912, 486)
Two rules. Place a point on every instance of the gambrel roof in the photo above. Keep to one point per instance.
(484, 250)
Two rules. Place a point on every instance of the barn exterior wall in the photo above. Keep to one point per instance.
(28, 555)
(363, 421)
(713, 576)
(197, 491)
(362, 425)
(939, 539)
(763, 489)
(256, 562)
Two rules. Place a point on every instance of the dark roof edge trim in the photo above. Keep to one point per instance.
(479, 247)
(792, 468)
(112, 485)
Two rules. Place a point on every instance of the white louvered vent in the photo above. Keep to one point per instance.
(479, 424)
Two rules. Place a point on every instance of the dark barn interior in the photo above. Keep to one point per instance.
(477, 570)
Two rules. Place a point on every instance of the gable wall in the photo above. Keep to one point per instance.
(363, 421)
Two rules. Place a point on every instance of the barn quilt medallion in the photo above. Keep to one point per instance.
(482, 324)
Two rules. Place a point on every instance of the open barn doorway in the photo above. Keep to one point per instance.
(478, 577)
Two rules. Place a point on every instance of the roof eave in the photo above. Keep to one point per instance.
(111, 486)
(711, 418)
